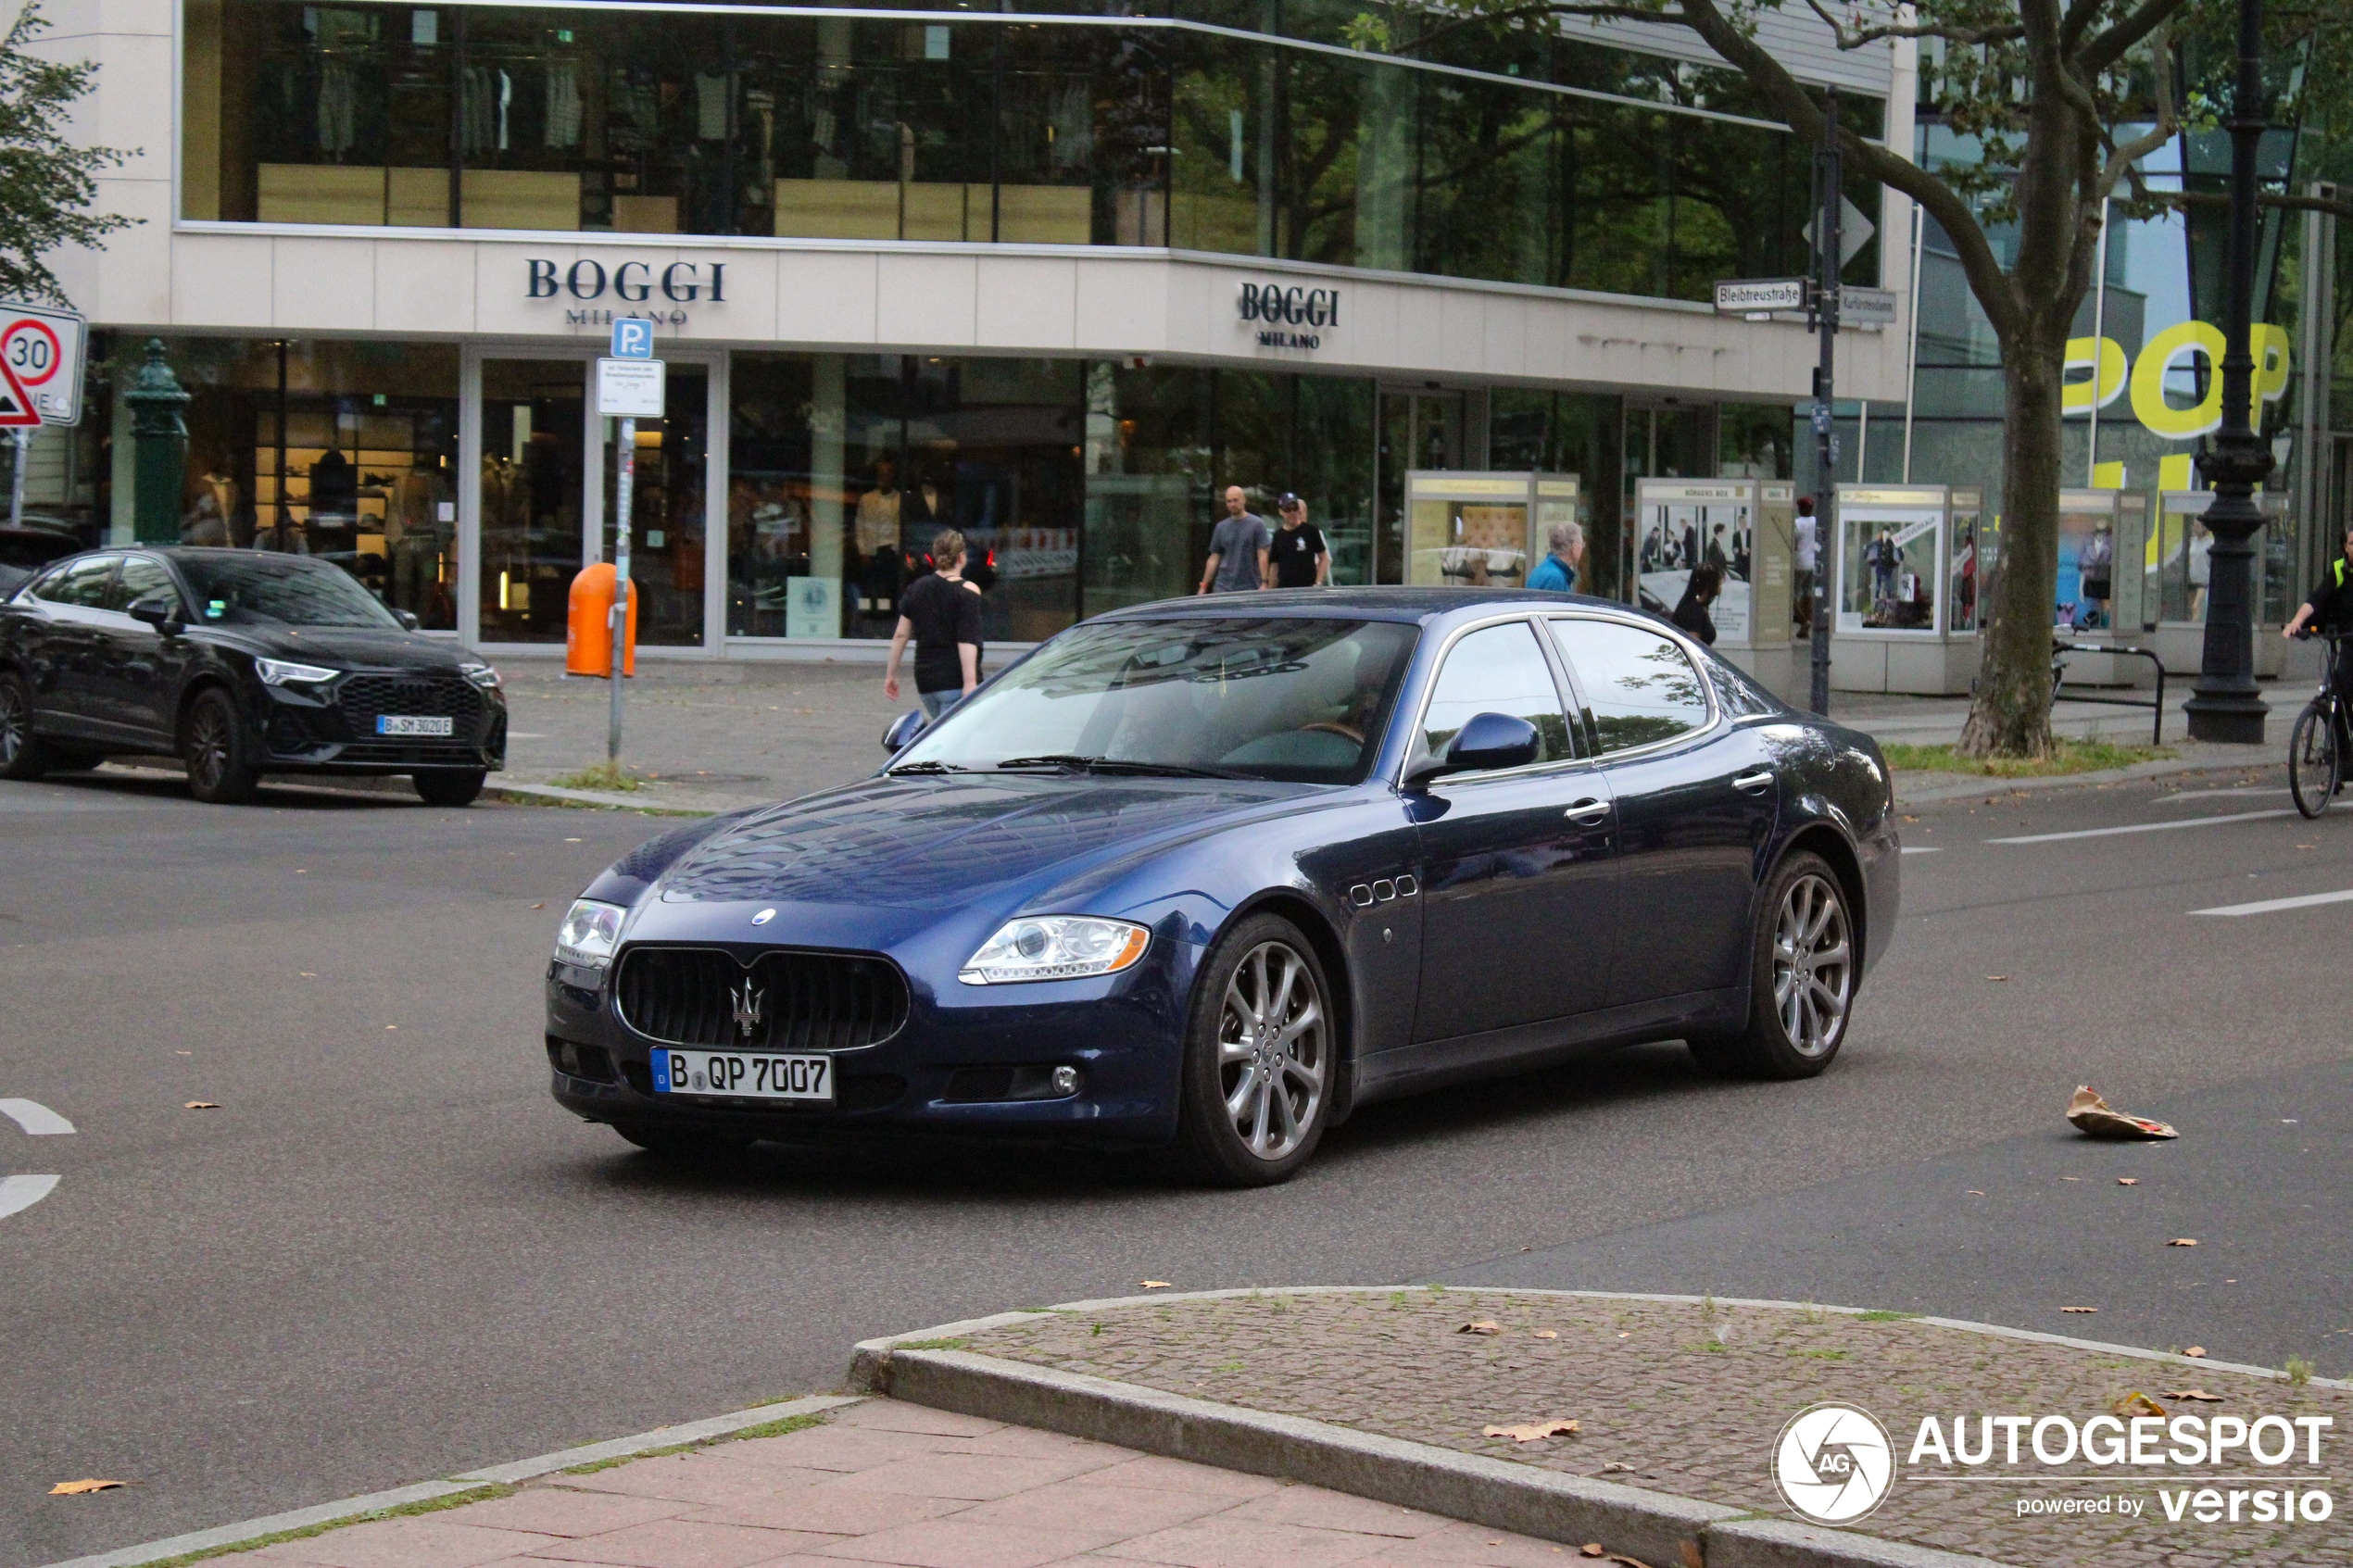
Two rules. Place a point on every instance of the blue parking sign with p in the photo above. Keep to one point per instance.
(633, 338)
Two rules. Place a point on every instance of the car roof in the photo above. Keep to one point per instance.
(1418, 605)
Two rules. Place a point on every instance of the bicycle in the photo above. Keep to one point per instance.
(2316, 746)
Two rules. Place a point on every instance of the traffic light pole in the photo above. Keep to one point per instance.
(1828, 180)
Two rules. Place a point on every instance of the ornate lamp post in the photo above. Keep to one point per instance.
(159, 446)
(2225, 707)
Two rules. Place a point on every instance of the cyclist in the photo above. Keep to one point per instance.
(2330, 608)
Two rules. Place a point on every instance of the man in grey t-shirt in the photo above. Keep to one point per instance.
(1238, 550)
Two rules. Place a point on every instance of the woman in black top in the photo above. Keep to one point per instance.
(941, 613)
(1706, 584)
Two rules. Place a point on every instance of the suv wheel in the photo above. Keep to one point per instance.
(220, 769)
(448, 786)
(22, 754)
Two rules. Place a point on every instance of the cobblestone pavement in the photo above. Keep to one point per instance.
(1690, 1399)
(887, 1483)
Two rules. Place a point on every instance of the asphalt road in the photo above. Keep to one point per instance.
(387, 1254)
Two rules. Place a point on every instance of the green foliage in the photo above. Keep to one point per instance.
(47, 183)
(2065, 757)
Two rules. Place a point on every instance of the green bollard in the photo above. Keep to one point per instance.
(159, 458)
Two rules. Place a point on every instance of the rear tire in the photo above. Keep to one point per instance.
(1261, 1058)
(1803, 965)
(220, 769)
(449, 787)
(2315, 764)
(23, 755)
(674, 1143)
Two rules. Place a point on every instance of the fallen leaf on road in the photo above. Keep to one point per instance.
(2195, 1351)
(538, 906)
(1155, 1285)
(571, 841)
(1548, 1334)
(2078, 1308)
(2182, 1241)
(2092, 1114)
(2199, 1394)
(1613, 1464)
(2136, 1403)
(1591, 1549)
(2070, 1178)
(2128, 1180)
(1533, 1431)
(75, 1488)
(1482, 1326)
(1974, 1193)
(392, 1026)
(201, 1105)
(1997, 977)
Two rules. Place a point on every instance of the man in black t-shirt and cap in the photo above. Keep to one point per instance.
(1296, 555)
(942, 611)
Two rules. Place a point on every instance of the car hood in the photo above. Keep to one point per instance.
(862, 865)
(348, 647)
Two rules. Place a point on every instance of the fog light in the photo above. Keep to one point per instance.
(1065, 1080)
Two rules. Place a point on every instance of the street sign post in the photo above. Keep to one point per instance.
(630, 386)
(1860, 306)
(1757, 297)
(40, 381)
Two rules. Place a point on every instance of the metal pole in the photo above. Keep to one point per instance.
(1826, 245)
(625, 485)
(2225, 706)
(15, 480)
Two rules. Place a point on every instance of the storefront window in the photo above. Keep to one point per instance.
(344, 450)
(666, 544)
(533, 446)
(1887, 568)
(734, 121)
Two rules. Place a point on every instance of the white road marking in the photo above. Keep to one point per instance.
(2266, 905)
(34, 1117)
(1924, 849)
(19, 1193)
(2145, 827)
(2210, 794)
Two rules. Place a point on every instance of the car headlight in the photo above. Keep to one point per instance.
(278, 673)
(482, 675)
(589, 934)
(1055, 948)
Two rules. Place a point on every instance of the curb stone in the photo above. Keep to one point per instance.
(350, 1510)
(1963, 785)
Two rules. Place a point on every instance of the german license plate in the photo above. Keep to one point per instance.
(743, 1076)
(412, 724)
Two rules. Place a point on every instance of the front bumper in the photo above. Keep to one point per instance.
(309, 732)
(942, 1072)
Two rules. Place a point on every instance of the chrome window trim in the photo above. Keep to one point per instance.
(1446, 650)
(1673, 634)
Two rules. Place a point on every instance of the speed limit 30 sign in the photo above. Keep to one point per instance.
(40, 366)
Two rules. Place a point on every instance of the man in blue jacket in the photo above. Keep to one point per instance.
(1558, 572)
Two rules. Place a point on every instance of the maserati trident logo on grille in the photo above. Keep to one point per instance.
(746, 999)
(763, 917)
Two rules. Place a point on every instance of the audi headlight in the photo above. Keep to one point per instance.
(589, 934)
(278, 673)
(1055, 948)
(482, 675)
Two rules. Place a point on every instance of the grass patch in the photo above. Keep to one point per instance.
(2067, 756)
(776, 1428)
(609, 777)
(484, 1493)
(1885, 1317)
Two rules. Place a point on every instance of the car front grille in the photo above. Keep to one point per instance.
(785, 1001)
(433, 696)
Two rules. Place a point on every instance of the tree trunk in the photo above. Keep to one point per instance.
(2012, 713)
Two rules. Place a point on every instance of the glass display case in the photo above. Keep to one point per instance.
(2100, 532)
(1482, 530)
(1969, 558)
(2176, 568)
(1745, 528)
(1890, 555)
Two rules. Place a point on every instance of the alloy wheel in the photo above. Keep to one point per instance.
(1813, 965)
(13, 725)
(208, 745)
(1274, 1049)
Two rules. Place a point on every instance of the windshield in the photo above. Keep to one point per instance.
(274, 590)
(1300, 698)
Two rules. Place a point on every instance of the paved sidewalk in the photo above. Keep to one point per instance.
(1689, 1398)
(883, 1482)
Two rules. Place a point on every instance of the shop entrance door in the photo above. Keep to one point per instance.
(668, 539)
(1420, 428)
(531, 468)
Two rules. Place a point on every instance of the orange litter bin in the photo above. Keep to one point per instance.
(588, 626)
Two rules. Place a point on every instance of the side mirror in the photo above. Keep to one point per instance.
(1488, 742)
(408, 619)
(904, 731)
(160, 610)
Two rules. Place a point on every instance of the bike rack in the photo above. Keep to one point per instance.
(2060, 650)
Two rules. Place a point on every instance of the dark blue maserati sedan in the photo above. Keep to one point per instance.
(1211, 874)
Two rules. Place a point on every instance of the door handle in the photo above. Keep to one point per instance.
(1589, 812)
(1754, 783)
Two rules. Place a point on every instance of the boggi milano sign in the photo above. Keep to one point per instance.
(630, 284)
(1275, 309)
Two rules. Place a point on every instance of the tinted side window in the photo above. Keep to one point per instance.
(82, 582)
(1497, 669)
(1642, 687)
(1736, 693)
(141, 575)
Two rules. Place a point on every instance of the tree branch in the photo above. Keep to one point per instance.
(1968, 36)
(2117, 42)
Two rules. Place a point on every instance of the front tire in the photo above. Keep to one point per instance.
(1804, 966)
(2315, 765)
(220, 769)
(23, 755)
(449, 787)
(1262, 1055)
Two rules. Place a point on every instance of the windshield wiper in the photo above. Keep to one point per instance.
(925, 768)
(1118, 765)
